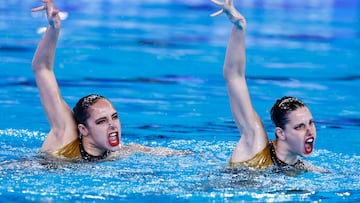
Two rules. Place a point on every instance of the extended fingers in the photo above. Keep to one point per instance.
(228, 2)
(217, 13)
(43, 7)
(217, 2)
(40, 8)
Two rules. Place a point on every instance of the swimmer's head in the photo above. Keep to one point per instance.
(80, 110)
(281, 109)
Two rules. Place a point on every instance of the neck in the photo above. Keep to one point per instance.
(90, 154)
(283, 154)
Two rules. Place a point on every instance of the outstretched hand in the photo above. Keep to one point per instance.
(51, 12)
(228, 8)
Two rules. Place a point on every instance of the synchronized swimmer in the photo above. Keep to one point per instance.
(294, 125)
(92, 131)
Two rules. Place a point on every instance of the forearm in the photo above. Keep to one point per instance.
(235, 59)
(157, 150)
(42, 65)
(45, 52)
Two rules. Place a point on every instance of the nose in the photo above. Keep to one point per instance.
(111, 126)
(310, 130)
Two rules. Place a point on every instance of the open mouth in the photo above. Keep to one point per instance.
(309, 145)
(114, 139)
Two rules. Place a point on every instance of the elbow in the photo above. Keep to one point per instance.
(33, 62)
(35, 65)
(38, 65)
(227, 77)
(230, 74)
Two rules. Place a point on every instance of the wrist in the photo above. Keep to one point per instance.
(240, 23)
(56, 24)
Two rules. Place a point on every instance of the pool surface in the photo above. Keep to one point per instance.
(160, 62)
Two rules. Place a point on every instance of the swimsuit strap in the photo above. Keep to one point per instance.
(280, 163)
(90, 158)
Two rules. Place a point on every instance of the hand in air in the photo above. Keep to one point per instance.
(228, 8)
(51, 12)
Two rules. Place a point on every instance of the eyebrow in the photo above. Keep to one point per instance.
(101, 118)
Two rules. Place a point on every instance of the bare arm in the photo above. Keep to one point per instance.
(159, 151)
(253, 136)
(63, 127)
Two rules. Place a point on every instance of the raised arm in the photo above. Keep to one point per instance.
(63, 128)
(253, 136)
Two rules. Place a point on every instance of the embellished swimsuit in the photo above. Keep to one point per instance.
(71, 150)
(75, 150)
(264, 159)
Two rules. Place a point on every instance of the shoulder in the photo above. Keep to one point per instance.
(71, 150)
(261, 160)
(57, 139)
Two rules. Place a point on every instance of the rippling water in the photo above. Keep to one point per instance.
(160, 62)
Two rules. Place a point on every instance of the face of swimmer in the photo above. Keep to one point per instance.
(103, 127)
(299, 133)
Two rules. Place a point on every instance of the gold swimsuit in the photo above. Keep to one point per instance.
(75, 150)
(261, 160)
(71, 150)
(266, 158)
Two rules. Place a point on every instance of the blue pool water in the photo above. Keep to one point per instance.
(160, 62)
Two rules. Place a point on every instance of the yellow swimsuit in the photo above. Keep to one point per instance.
(266, 158)
(75, 150)
(261, 160)
(71, 150)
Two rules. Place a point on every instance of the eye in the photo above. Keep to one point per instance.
(311, 122)
(115, 116)
(300, 126)
(101, 121)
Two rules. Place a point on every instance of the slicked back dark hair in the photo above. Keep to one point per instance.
(80, 110)
(281, 109)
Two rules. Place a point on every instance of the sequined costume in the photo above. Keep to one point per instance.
(264, 159)
(75, 150)
(71, 150)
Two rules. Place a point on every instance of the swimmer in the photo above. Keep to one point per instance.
(295, 131)
(92, 131)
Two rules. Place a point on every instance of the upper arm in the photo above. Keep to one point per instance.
(253, 135)
(63, 127)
